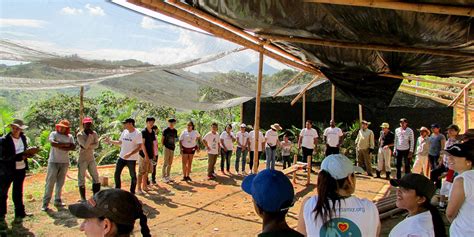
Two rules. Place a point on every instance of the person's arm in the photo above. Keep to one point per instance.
(443, 143)
(143, 148)
(372, 140)
(85, 141)
(412, 143)
(395, 139)
(223, 144)
(126, 156)
(204, 141)
(301, 223)
(95, 143)
(62, 146)
(238, 141)
(456, 199)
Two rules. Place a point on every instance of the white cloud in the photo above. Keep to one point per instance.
(95, 10)
(12, 22)
(71, 11)
(150, 23)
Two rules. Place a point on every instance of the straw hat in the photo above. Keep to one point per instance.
(365, 122)
(19, 123)
(276, 126)
(424, 129)
(385, 125)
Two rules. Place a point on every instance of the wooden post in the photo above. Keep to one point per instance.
(308, 168)
(241, 113)
(466, 110)
(257, 112)
(360, 113)
(304, 109)
(333, 95)
(295, 160)
(81, 108)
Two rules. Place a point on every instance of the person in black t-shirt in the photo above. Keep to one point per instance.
(168, 140)
(146, 154)
(386, 141)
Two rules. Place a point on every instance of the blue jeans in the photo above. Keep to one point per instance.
(238, 154)
(225, 156)
(121, 163)
(270, 154)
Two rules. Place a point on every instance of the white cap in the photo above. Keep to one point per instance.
(243, 125)
(339, 166)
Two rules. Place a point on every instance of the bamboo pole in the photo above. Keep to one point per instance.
(439, 92)
(439, 100)
(295, 160)
(81, 108)
(257, 113)
(459, 85)
(304, 108)
(466, 111)
(315, 79)
(360, 113)
(296, 77)
(366, 46)
(404, 6)
(308, 169)
(333, 95)
(242, 113)
(460, 94)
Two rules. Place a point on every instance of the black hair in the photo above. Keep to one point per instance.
(126, 229)
(438, 223)
(327, 191)
(228, 126)
(190, 123)
(214, 124)
(279, 215)
(309, 121)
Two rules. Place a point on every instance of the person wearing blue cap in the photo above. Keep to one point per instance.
(335, 211)
(272, 194)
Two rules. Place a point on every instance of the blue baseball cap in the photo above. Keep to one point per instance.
(271, 190)
(339, 166)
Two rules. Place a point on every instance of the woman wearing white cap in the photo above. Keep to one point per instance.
(272, 141)
(334, 211)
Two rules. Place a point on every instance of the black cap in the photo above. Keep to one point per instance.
(129, 120)
(171, 120)
(404, 120)
(117, 205)
(460, 150)
(150, 118)
(422, 185)
(454, 127)
(435, 125)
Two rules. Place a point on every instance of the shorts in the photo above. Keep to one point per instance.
(445, 188)
(189, 151)
(144, 167)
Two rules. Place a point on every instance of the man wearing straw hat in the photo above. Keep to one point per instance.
(384, 155)
(272, 141)
(365, 147)
(421, 165)
(58, 163)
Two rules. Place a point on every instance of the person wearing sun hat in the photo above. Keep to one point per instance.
(273, 195)
(88, 141)
(13, 168)
(58, 163)
(414, 194)
(365, 147)
(334, 211)
(272, 142)
(384, 154)
(461, 198)
(111, 213)
(421, 165)
(403, 147)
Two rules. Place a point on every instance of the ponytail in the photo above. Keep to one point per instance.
(327, 191)
(438, 223)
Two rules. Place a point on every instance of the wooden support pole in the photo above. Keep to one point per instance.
(308, 169)
(409, 78)
(242, 113)
(466, 111)
(257, 114)
(365, 46)
(333, 96)
(295, 160)
(81, 108)
(461, 93)
(304, 90)
(438, 92)
(360, 113)
(296, 77)
(405, 6)
(304, 109)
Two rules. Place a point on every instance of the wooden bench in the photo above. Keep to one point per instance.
(299, 166)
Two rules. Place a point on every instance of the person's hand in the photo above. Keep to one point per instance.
(126, 156)
(107, 140)
(410, 154)
(208, 148)
(225, 149)
(395, 152)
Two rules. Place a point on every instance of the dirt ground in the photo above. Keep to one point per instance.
(199, 208)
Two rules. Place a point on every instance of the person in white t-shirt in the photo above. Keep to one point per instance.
(333, 137)
(242, 148)
(188, 142)
(460, 210)
(227, 145)
(272, 141)
(335, 211)
(251, 144)
(308, 140)
(414, 194)
(211, 142)
(130, 142)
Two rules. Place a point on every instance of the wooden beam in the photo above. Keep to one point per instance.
(308, 169)
(410, 78)
(256, 126)
(466, 111)
(304, 108)
(439, 100)
(81, 108)
(333, 98)
(438, 92)
(460, 94)
(404, 6)
(360, 114)
(366, 46)
(316, 78)
(296, 77)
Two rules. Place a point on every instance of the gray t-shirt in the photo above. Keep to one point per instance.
(57, 155)
(435, 144)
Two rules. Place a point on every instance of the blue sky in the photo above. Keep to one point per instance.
(105, 30)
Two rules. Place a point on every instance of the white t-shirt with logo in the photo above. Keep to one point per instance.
(228, 143)
(261, 138)
(357, 218)
(463, 223)
(188, 139)
(271, 138)
(242, 137)
(332, 136)
(130, 142)
(212, 141)
(19, 148)
(308, 136)
(420, 225)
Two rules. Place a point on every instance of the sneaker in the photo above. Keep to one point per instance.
(45, 209)
(59, 204)
(139, 192)
(214, 175)
(184, 178)
(189, 179)
(23, 215)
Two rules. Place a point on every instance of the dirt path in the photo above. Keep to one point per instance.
(199, 208)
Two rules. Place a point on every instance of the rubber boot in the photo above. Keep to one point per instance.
(95, 188)
(388, 176)
(378, 174)
(82, 192)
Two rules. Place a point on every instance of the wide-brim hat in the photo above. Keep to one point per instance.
(64, 123)
(276, 126)
(385, 125)
(424, 129)
(243, 125)
(19, 123)
(365, 122)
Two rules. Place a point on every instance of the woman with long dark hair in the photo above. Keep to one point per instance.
(414, 195)
(189, 146)
(111, 213)
(335, 211)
